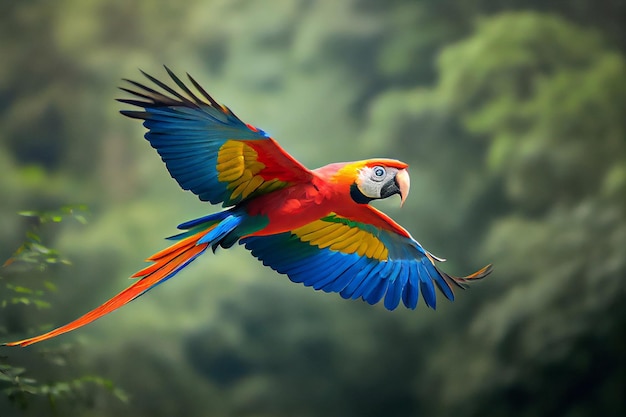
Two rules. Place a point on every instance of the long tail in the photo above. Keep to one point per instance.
(202, 233)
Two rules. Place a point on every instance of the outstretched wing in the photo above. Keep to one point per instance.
(208, 149)
(353, 257)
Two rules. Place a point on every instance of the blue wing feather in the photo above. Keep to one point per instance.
(339, 283)
(376, 290)
(407, 271)
(396, 285)
(368, 281)
(188, 133)
(439, 281)
(410, 295)
(356, 282)
(427, 287)
(337, 270)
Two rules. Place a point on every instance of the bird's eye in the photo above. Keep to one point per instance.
(378, 173)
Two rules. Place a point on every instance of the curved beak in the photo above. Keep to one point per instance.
(404, 184)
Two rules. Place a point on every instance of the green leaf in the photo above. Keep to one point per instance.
(40, 304)
(19, 289)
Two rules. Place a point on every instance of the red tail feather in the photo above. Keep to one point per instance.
(165, 262)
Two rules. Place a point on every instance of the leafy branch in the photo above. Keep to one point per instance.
(33, 251)
(33, 255)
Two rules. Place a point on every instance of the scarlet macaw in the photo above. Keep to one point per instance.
(315, 226)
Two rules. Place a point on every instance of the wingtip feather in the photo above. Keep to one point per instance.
(463, 282)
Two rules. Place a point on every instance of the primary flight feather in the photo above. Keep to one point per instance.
(315, 226)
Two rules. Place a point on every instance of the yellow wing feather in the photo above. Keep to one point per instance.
(238, 166)
(342, 238)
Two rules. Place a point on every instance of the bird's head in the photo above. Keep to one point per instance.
(375, 179)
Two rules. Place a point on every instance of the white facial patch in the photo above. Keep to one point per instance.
(370, 182)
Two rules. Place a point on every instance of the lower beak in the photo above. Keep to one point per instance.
(404, 184)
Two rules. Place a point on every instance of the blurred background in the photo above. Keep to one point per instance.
(510, 113)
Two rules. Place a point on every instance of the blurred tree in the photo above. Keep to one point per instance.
(545, 99)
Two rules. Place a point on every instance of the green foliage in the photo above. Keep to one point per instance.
(32, 251)
(21, 389)
(18, 383)
(33, 254)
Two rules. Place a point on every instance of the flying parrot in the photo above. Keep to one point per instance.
(315, 226)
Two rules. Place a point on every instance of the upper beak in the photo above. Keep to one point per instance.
(404, 184)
